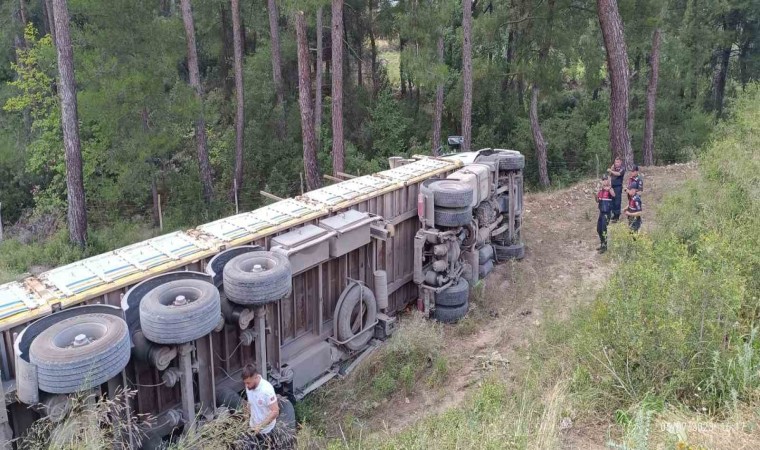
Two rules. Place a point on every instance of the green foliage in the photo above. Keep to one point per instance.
(411, 355)
(679, 319)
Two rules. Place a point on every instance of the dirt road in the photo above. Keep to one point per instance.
(561, 270)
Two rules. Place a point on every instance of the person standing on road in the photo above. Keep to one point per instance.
(635, 181)
(617, 175)
(633, 211)
(604, 200)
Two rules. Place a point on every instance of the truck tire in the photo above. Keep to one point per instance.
(452, 314)
(505, 160)
(449, 217)
(506, 252)
(163, 321)
(287, 417)
(244, 286)
(485, 269)
(455, 295)
(485, 254)
(80, 352)
(451, 194)
(349, 320)
(511, 161)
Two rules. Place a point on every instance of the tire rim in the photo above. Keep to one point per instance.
(258, 264)
(180, 296)
(79, 335)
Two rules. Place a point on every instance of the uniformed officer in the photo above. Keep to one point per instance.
(617, 175)
(633, 211)
(604, 199)
(635, 181)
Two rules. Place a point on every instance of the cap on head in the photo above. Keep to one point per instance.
(605, 177)
(635, 168)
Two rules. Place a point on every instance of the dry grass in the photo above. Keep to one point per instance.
(92, 423)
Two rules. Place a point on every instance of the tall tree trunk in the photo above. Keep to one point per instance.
(51, 18)
(373, 48)
(225, 53)
(47, 24)
(535, 125)
(359, 62)
(237, 43)
(467, 75)
(279, 88)
(318, 74)
(304, 100)
(77, 213)
(155, 209)
(195, 82)
(401, 71)
(654, 71)
(23, 13)
(337, 86)
(438, 103)
(617, 64)
(719, 82)
(538, 138)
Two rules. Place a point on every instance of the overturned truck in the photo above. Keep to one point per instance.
(304, 288)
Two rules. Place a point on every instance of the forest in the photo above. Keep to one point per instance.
(122, 117)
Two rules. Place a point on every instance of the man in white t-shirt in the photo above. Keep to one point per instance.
(262, 401)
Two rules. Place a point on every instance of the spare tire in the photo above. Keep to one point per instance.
(506, 252)
(80, 352)
(451, 193)
(257, 278)
(450, 217)
(454, 295)
(180, 311)
(357, 310)
(450, 314)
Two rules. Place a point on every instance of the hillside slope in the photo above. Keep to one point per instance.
(561, 270)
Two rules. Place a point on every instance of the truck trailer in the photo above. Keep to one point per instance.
(305, 288)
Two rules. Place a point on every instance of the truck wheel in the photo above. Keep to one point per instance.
(511, 161)
(257, 278)
(485, 254)
(358, 309)
(505, 160)
(505, 252)
(449, 217)
(485, 269)
(447, 314)
(180, 311)
(80, 352)
(455, 295)
(451, 194)
(287, 415)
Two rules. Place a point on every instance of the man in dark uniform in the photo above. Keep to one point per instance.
(604, 199)
(635, 181)
(633, 211)
(617, 175)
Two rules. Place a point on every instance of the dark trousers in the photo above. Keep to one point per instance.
(616, 201)
(280, 438)
(634, 223)
(601, 227)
